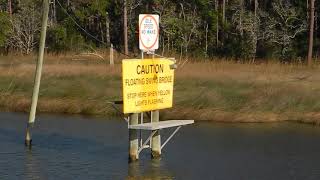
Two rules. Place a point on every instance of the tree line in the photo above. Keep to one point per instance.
(245, 30)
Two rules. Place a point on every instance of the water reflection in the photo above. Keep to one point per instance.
(81, 149)
(155, 169)
(32, 166)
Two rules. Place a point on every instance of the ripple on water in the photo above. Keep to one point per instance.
(81, 148)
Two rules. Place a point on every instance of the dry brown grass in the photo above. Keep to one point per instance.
(216, 90)
(256, 93)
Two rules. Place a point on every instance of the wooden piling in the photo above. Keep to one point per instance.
(156, 138)
(133, 138)
(111, 55)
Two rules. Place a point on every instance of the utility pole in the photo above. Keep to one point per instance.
(217, 24)
(54, 12)
(310, 49)
(107, 29)
(125, 27)
(256, 3)
(223, 11)
(240, 19)
(37, 78)
(10, 7)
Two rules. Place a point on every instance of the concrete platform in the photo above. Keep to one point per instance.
(161, 124)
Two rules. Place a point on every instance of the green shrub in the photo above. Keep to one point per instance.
(4, 28)
(57, 38)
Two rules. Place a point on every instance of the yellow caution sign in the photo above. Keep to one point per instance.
(147, 84)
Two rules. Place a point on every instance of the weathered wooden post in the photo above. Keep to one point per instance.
(37, 78)
(133, 134)
(111, 55)
(133, 138)
(156, 138)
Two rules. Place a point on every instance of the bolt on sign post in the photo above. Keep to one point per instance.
(148, 32)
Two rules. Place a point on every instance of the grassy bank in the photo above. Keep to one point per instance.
(218, 91)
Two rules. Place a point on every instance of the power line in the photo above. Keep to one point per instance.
(83, 29)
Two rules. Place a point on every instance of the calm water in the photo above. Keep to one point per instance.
(87, 148)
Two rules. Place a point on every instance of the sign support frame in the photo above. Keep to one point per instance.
(136, 144)
(135, 136)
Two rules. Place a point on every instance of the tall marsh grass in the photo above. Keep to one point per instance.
(208, 90)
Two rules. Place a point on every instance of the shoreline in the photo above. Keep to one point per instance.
(170, 114)
(216, 91)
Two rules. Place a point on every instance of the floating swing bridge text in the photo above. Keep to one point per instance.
(147, 84)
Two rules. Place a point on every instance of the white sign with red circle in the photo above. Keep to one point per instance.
(148, 32)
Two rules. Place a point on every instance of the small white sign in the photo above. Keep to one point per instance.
(148, 32)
